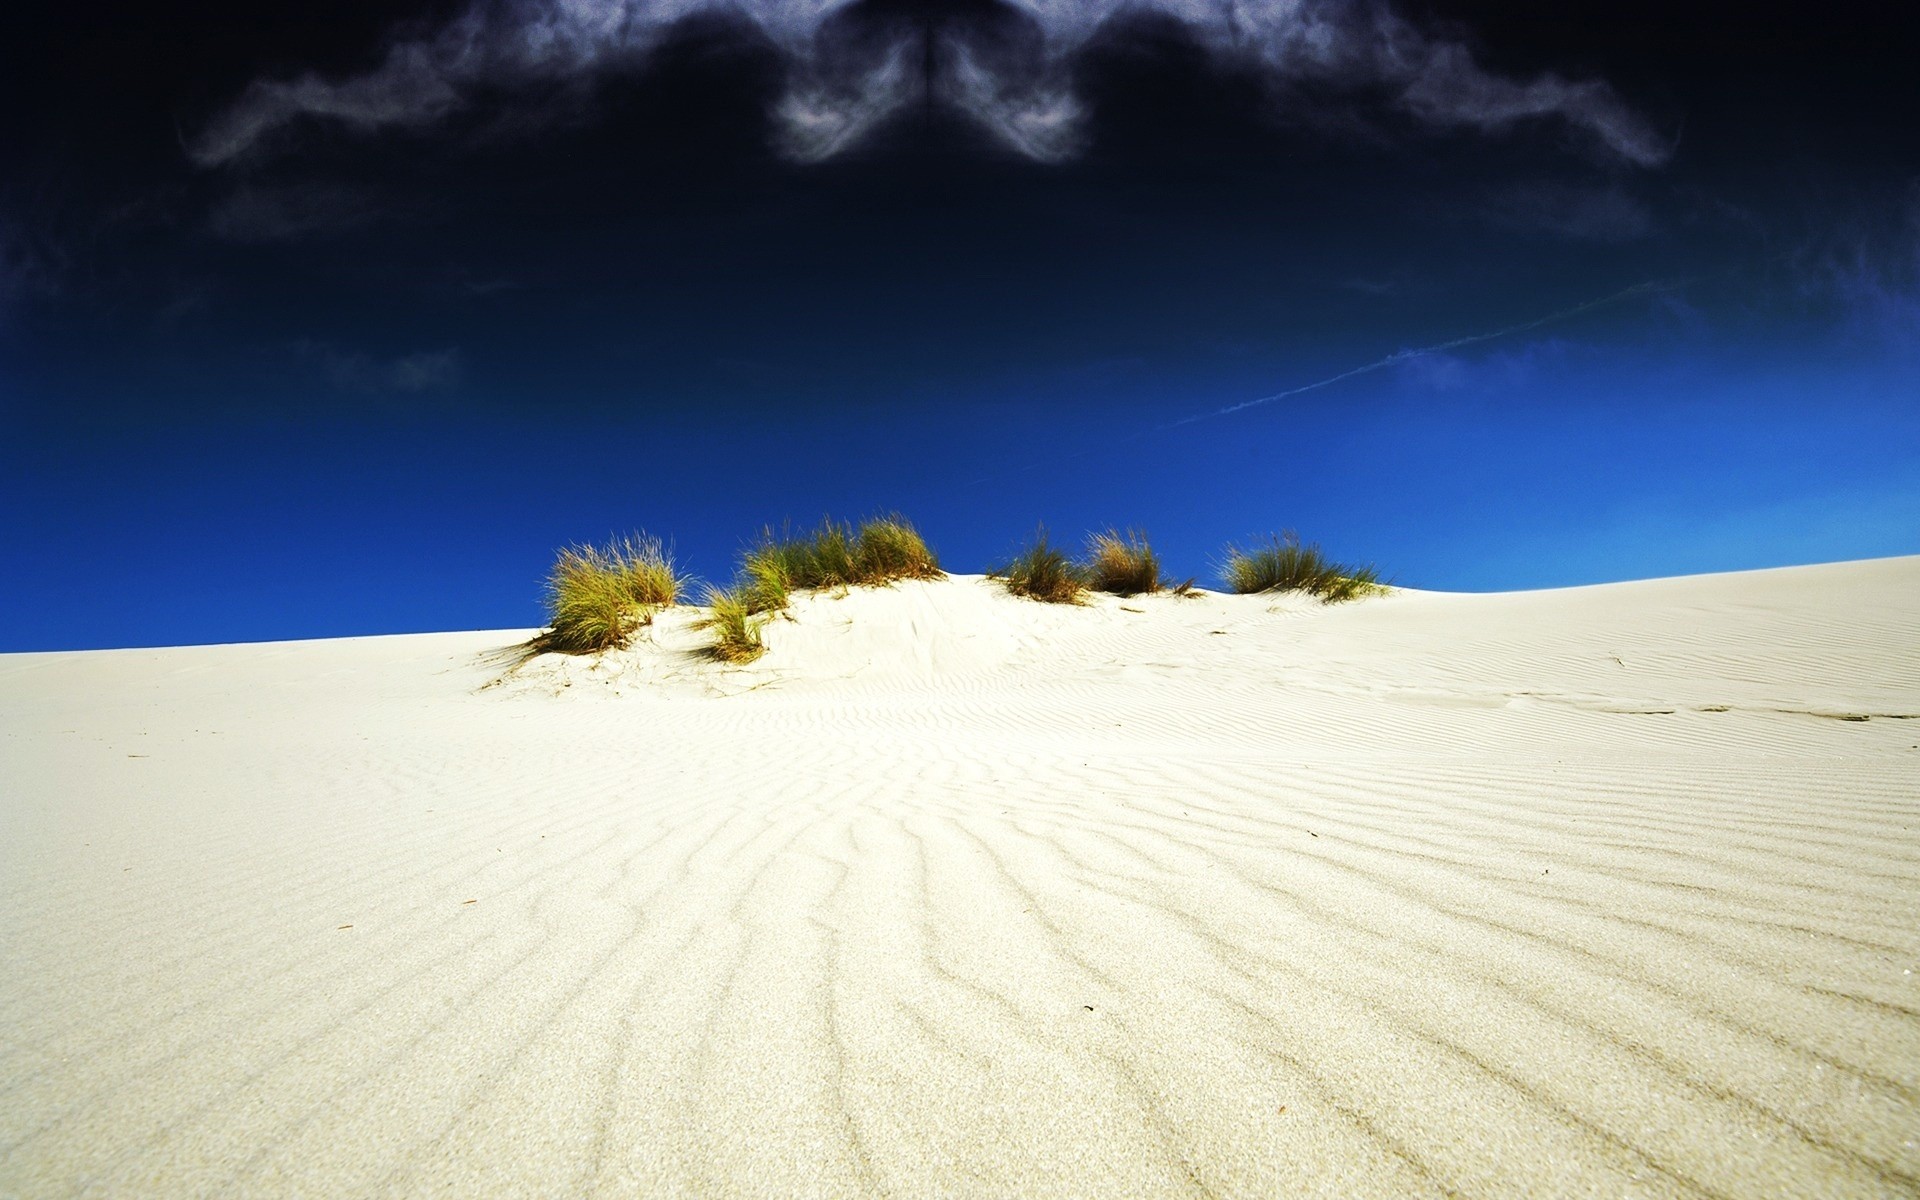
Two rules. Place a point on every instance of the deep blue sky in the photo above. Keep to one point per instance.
(321, 326)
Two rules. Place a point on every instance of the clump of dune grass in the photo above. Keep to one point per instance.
(890, 548)
(736, 624)
(599, 596)
(1042, 571)
(1123, 566)
(833, 555)
(1284, 564)
(767, 571)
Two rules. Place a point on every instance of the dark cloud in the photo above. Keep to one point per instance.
(579, 187)
(851, 67)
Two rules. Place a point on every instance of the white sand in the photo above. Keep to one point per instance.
(1598, 892)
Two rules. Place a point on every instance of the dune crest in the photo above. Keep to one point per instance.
(1609, 891)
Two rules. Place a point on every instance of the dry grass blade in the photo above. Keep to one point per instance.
(1123, 566)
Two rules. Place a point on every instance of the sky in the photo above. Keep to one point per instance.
(339, 320)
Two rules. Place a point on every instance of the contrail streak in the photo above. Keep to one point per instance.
(1400, 356)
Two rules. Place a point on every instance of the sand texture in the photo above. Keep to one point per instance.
(1609, 891)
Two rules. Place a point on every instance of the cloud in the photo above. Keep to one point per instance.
(1492, 371)
(497, 45)
(1022, 97)
(283, 212)
(1574, 211)
(833, 103)
(183, 303)
(423, 371)
(487, 287)
(31, 267)
(1883, 289)
(1867, 272)
(1441, 84)
(1006, 65)
(1380, 288)
(1359, 48)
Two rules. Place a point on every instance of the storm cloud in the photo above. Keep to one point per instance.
(850, 67)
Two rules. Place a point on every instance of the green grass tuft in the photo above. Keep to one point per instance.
(1285, 565)
(599, 596)
(767, 573)
(1123, 566)
(1042, 572)
(832, 556)
(828, 558)
(736, 625)
(890, 548)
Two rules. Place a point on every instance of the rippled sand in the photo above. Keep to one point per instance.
(1609, 891)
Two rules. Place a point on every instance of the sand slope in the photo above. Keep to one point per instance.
(1610, 891)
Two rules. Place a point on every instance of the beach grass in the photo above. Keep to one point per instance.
(1285, 564)
(889, 548)
(1042, 571)
(834, 555)
(736, 624)
(597, 597)
(1121, 565)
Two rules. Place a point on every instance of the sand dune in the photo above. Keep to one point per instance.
(1610, 891)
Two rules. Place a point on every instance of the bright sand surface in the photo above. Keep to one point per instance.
(1610, 891)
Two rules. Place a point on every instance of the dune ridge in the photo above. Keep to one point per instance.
(1601, 891)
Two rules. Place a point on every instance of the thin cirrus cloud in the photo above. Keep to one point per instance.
(257, 213)
(353, 370)
(1874, 277)
(1569, 211)
(853, 65)
(29, 266)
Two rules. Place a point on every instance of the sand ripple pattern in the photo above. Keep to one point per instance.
(1604, 892)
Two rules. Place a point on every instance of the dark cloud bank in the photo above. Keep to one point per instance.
(398, 181)
(849, 68)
